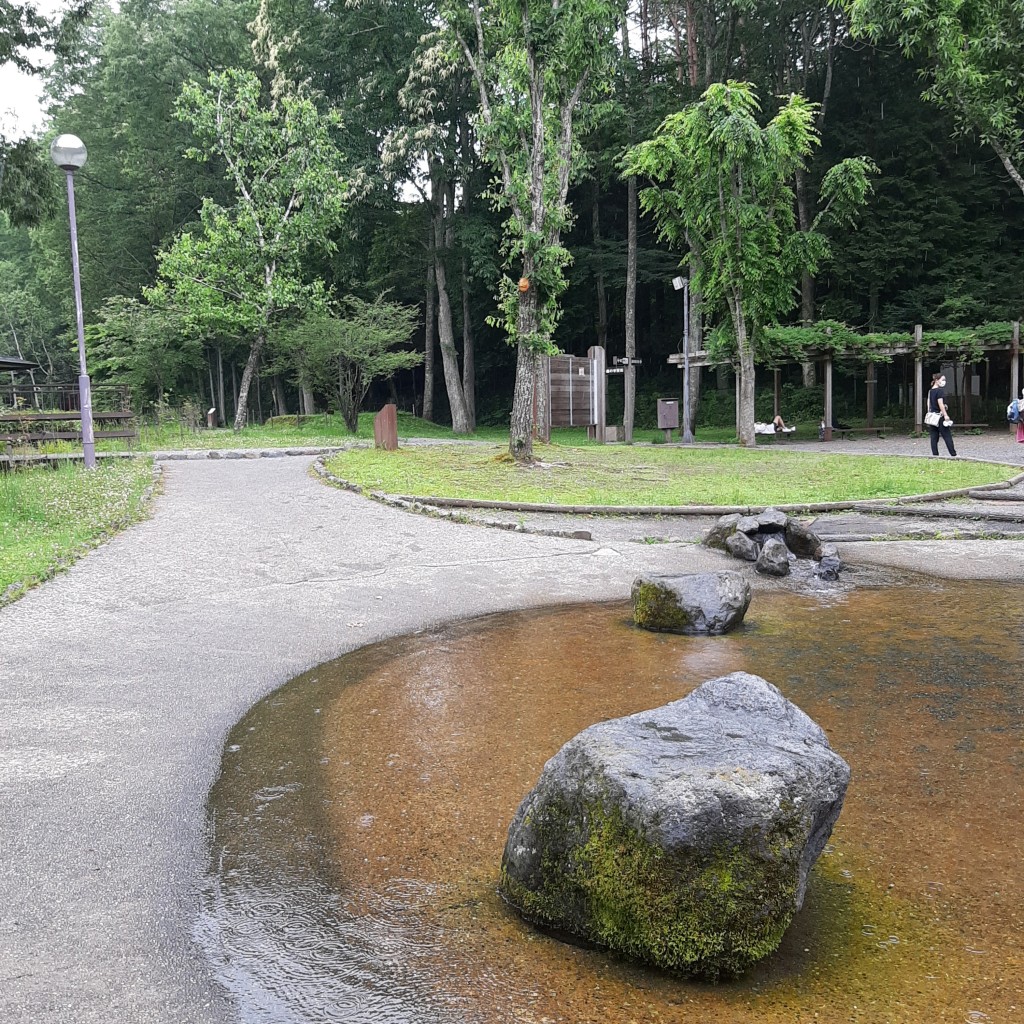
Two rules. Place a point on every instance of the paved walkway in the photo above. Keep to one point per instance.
(120, 680)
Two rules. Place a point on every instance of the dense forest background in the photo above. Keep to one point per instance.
(940, 242)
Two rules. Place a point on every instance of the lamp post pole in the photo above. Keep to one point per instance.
(683, 283)
(69, 154)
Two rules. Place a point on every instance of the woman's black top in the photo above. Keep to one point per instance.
(933, 399)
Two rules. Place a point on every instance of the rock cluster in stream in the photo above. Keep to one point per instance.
(772, 540)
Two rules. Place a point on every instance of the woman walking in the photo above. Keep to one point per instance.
(939, 413)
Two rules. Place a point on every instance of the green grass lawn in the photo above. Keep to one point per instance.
(50, 516)
(323, 431)
(653, 476)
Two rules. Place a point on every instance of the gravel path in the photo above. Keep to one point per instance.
(120, 679)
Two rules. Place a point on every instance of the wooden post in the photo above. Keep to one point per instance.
(968, 378)
(1015, 362)
(777, 392)
(870, 389)
(828, 398)
(918, 370)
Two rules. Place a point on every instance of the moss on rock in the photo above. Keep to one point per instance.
(709, 912)
(656, 607)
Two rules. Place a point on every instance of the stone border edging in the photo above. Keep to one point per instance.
(884, 506)
(16, 590)
(415, 505)
(186, 454)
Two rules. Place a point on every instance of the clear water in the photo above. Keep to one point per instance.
(358, 824)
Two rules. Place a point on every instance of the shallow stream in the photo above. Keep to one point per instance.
(358, 824)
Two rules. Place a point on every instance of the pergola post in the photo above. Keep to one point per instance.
(778, 376)
(870, 389)
(828, 397)
(1015, 362)
(967, 376)
(918, 370)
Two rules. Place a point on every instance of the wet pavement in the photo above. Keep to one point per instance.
(121, 679)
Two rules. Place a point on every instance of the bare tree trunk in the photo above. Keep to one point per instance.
(745, 408)
(443, 196)
(428, 331)
(222, 408)
(308, 402)
(234, 387)
(248, 374)
(807, 312)
(691, 43)
(520, 441)
(280, 402)
(468, 351)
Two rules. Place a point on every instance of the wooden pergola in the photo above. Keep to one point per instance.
(1011, 348)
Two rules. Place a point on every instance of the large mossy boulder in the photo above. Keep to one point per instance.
(693, 603)
(682, 836)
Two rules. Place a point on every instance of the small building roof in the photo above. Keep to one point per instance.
(16, 365)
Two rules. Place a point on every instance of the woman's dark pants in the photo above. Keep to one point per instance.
(947, 436)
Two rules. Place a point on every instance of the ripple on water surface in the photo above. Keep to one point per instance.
(359, 820)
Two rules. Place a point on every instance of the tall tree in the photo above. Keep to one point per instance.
(245, 267)
(534, 66)
(974, 57)
(728, 195)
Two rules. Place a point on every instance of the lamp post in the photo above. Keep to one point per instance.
(683, 284)
(69, 154)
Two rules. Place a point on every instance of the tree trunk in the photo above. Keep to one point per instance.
(443, 201)
(222, 408)
(468, 351)
(520, 441)
(242, 409)
(629, 377)
(745, 349)
(280, 401)
(428, 331)
(308, 402)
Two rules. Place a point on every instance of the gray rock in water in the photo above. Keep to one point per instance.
(701, 602)
(802, 541)
(739, 545)
(681, 836)
(747, 524)
(721, 531)
(774, 557)
(828, 568)
(826, 551)
(771, 520)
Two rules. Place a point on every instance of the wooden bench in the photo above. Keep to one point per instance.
(26, 427)
(845, 432)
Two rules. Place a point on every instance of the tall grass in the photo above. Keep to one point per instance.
(48, 517)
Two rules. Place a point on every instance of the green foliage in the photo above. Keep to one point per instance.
(537, 67)
(151, 346)
(723, 189)
(974, 62)
(346, 352)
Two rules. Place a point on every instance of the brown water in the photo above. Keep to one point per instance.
(358, 825)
